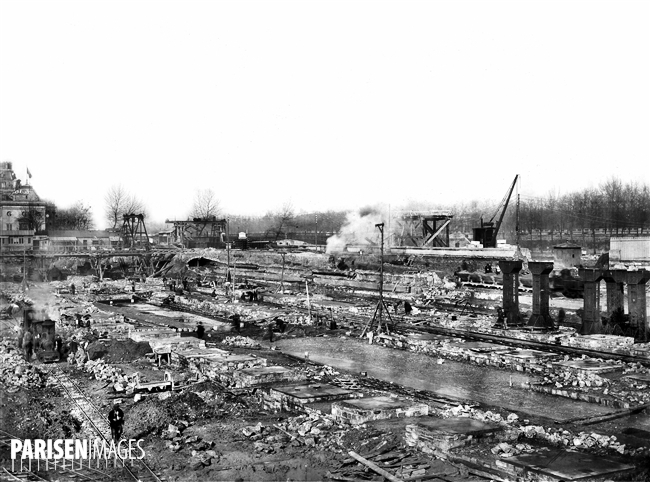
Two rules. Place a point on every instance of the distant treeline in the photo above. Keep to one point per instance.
(612, 208)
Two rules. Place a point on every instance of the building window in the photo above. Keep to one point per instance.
(10, 227)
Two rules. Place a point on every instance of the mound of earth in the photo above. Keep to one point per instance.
(152, 416)
(118, 350)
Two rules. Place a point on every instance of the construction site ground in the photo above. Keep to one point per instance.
(207, 429)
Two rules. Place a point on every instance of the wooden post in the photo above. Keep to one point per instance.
(308, 303)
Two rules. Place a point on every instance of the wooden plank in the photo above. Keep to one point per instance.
(374, 467)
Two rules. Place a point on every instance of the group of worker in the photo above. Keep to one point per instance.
(31, 344)
(407, 307)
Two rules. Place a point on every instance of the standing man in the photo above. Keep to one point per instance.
(73, 289)
(200, 331)
(28, 345)
(116, 420)
(58, 345)
(21, 334)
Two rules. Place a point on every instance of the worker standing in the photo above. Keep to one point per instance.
(73, 289)
(21, 334)
(116, 420)
(58, 345)
(200, 331)
(28, 345)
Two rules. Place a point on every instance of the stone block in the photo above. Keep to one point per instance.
(376, 408)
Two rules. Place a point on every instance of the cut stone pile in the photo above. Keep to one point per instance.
(610, 343)
(570, 379)
(241, 342)
(15, 372)
(625, 389)
(103, 371)
(504, 449)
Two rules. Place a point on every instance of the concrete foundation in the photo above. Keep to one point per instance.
(263, 375)
(376, 408)
(562, 465)
(541, 317)
(438, 436)
(292, 397)
(153, 334)
(591, 316)
(510, 270)
(215, 364)
(588, 366)
(176, 343)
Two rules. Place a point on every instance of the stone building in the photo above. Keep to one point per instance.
(22, 213)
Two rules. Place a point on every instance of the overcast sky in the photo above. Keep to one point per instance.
(329, 105)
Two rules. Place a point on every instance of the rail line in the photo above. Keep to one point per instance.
(100, 424)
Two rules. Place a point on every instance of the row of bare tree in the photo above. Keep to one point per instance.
(613, 206)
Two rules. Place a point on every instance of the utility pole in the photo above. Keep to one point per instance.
(381, 305)
(282, 275)
(24, 283)
(316, 233)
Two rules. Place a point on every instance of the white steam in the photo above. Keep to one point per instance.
(359, 230)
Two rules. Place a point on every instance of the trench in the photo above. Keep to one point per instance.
(461, 381)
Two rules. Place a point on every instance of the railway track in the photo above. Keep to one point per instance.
(139, 471)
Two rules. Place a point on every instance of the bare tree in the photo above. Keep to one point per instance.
(281, 219)
(206, 205)
(119, 202)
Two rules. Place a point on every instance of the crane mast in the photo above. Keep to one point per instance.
(487, 232)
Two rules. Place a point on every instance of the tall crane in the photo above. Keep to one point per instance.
(487, 232)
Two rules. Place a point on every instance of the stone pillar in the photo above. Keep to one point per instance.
(541, 294)
(510, 270)
(636, 301)
(615, 282)
(591, 323)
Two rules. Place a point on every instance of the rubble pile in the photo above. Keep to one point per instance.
(240, 342)
(554, 436)
(582, 440)
(201, 450)
(15, 372)
(309, 430)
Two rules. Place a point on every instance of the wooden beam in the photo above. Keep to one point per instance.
(374, 467)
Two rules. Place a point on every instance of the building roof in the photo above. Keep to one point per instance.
(71, 233)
